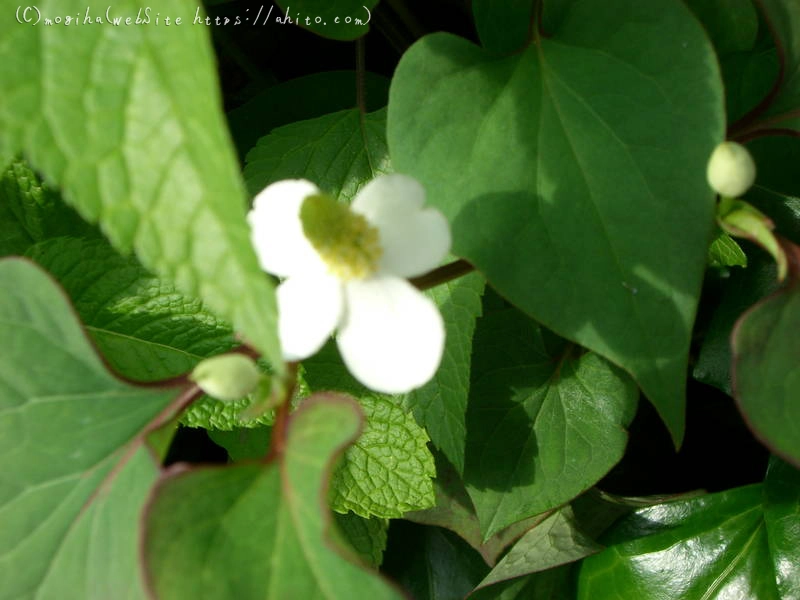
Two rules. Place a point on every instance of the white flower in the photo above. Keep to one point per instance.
(345, 268)
(731, 170)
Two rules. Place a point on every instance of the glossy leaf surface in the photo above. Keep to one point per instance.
(712, 547)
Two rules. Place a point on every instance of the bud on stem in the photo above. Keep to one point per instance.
(227, 377)
(731, 170)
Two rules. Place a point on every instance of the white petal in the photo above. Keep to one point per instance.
(395, 192)
(414, 239)
(276, 230)
(392, 336)
(309, 308)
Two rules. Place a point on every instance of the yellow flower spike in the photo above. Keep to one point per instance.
(347, 243)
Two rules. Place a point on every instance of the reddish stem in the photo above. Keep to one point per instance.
(443, 274)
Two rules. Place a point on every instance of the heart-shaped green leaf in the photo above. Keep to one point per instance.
(574, 172)
(544, 422)
(75, 468)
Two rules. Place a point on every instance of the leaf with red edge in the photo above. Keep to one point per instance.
(75, 469)
(259, 530)
(766, 371)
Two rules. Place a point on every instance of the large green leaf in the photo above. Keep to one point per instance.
(258, 530)
(782, 517)
(339, 152)
(329, 18)
(544, 422)
(75, 469)
(766, 370)
(131, 128)
(741, 543)
(441, 405)
(574, 172)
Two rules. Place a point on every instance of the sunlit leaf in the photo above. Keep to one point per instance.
(75, 468)
(131, 128)
(585, 154)
(259, 530)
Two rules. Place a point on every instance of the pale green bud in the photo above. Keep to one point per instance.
(227, 377)
(731, 170)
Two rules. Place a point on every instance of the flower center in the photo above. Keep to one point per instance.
(345, 240)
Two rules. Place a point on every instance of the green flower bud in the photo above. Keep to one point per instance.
(227, 377)
(731, 170)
